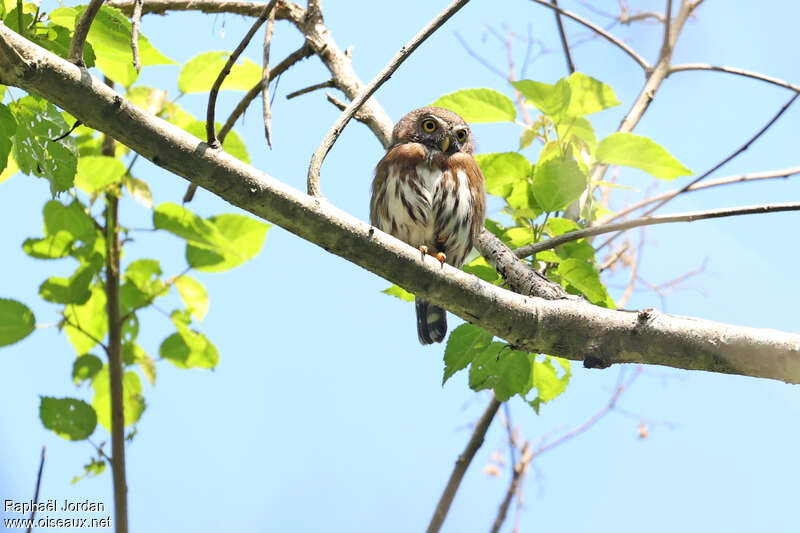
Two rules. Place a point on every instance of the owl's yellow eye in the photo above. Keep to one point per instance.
(429, 125)
(461, 135)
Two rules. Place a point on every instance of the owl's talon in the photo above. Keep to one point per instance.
(441, 257)
(423, 251)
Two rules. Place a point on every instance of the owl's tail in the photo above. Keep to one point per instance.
(431, 322)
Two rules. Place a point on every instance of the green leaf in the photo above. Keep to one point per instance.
(483, 270)
(188, 226)
(527, 136)
(463, 345)
(200, 72)
(545, 379)
(97, 171)
(110, 36)
(85, 367)
(556, 226)
(8, 129)
(188, 348)
(522, 201)
(90, 317)
(585, 278)
(399, 292)
(557, 183)
(145, 275)
(11, 168)
(71, 218)
(56, 39)
(631, 150)
(242, 236)
(74, 290)
(551, 100)
(588, 95)
(504, 370)
(133, 354)
(94, 468)
(139, 190)
(518, 236)
(39, 121)
(572, 128)
(133, 404)
(69, 418)
(16, 321)
(502, 171)
(233, 144)
(479, 105)
(50, 247)
(194, 296)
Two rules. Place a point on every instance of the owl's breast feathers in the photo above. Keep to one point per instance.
(429, 198)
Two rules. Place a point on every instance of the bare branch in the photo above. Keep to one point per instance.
(520, 469)
(666, 46)
(36, 491)
(81, 31)
(727, 180)
(564, 43)
(136, 19)
(462, 463)
(686, 67)
(265, 102)
(524, 251)
(567, 328)
(600, 31)
(356, 103)
(311, 88)
(211, 135)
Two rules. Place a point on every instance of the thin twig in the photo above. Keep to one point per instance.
(301, 53)
(666, 46)
(356, 103)
(525, 251)
(727, 180)
(81, 31)
(564, 43)
(324, 85)
(265, 101)
(719, 165)
(136, 19)
(211, 135)
(36, 491)
(597, 29)
(686, 67)
(92, 337)
(461, 465)
(520, 469)
(635, 261)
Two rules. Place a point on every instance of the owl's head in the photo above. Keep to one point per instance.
(437, 128)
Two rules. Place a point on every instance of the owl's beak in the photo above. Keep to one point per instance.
(445, 144)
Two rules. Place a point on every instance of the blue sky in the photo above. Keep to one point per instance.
(325, 414)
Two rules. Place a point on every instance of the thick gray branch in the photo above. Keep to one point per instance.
(568, 328)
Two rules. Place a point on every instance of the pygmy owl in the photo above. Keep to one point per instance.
(428, 191)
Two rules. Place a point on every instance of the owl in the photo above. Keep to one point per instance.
(429, 192)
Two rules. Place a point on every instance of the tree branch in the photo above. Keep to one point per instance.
(136, 19)
(686, 67)
(524, 251)
(36, 491)
(727, 180)
(211, 135)
(356, 103)
(462, 463)
(600, 31)
(81, 31)
(265, 107)
(567, 328)
(564, 43)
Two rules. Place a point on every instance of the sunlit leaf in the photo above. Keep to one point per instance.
(87, 323)
(133, 403)
(502, 171)
(551, 100)
(72, 290)
(584, 277)
(557, 183)
(194, 296)
(479, 105)
(630, 150)
(588, 95)
(483, 270)
(98, 171)
(242, 238)
(399, 292)
(199, 73)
